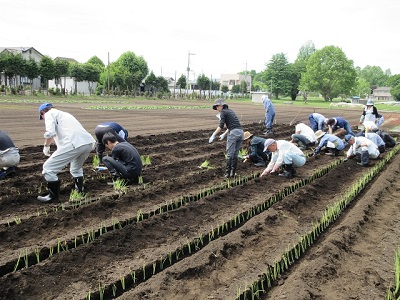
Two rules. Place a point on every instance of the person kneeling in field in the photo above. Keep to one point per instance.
(363, 148)
(124, 162)
(284, 154)
(255, 149)
(330, 142)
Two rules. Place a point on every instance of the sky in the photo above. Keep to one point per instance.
(218, 37)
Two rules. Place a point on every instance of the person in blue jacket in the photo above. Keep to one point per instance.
(338, 125)
(330, 142)
(117, 130)
(269, 114)
(317, 121)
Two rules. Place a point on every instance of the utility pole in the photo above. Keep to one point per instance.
(188, 69)
(108, 74)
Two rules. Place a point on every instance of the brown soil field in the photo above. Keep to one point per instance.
(186, 232)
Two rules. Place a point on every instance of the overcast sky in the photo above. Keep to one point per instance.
(224, 36)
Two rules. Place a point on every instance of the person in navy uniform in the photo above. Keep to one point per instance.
(117, 130)
(9, 156)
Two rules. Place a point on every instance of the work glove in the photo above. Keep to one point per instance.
(212, 138)
(222, 136)
(46, 150)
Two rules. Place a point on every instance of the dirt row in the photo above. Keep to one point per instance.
(214, 272)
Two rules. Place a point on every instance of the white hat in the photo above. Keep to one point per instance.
(319, 133)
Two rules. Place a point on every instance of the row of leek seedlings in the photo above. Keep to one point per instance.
(188, 247)
(394, 293)
(240, 218)
(329, 215)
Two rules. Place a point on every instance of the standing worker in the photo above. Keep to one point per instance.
(9, 155)
(269, 114)
(74, 144)
(117, 130)
(234, 132)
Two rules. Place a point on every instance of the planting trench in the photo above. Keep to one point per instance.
(216, 270)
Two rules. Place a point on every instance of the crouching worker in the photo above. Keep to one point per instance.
(255, 149)
(362, 148)
(125, 162)
(284, 154)
(330, 142)
(120, 133)
(9, 156)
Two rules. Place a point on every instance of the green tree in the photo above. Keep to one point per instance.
(277, 74)
(243, 87)
(329, 72)
(46, 70)
(91, 75)
(224, 88)
(300, 65)
(394, 80)
(204, 84)
(133, 67)
(375, 76)
(181, 83)
(13, 65)
(362, 88)
(61, 69)
(151, 83)
(77, 71)
(235, 89)
(395, 92)
(32, 71)
(94, 60)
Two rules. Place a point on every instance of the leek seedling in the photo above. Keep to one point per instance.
(37, 253)
(96, 161)
(120, 186)
(206, 165)
(76, 196)
(17, 264)
(122, 279)
(114, 290)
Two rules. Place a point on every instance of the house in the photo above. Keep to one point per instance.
(382, 93)
(235, 79)
(26, 53)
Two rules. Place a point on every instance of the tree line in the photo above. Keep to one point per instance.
(326, 71)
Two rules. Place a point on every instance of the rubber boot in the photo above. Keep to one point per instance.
(54, 192)
(364, 158)
(79, 184)
(228, 167)
(115, 177)
(287, 173)
(233, 166)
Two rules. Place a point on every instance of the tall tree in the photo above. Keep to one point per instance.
(32, 71)
(277, 74)
(329, 72)
(46, 70)
(133, 66)
(204, 84)
(300, 67)
(181, 83)
(61, 69)
(374, 75)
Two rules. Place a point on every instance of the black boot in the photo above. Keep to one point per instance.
(228, 167)
(233, 166)
(79, 184)
(54, 192)
(288, 172)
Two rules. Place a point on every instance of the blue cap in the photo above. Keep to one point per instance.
(44, 106)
